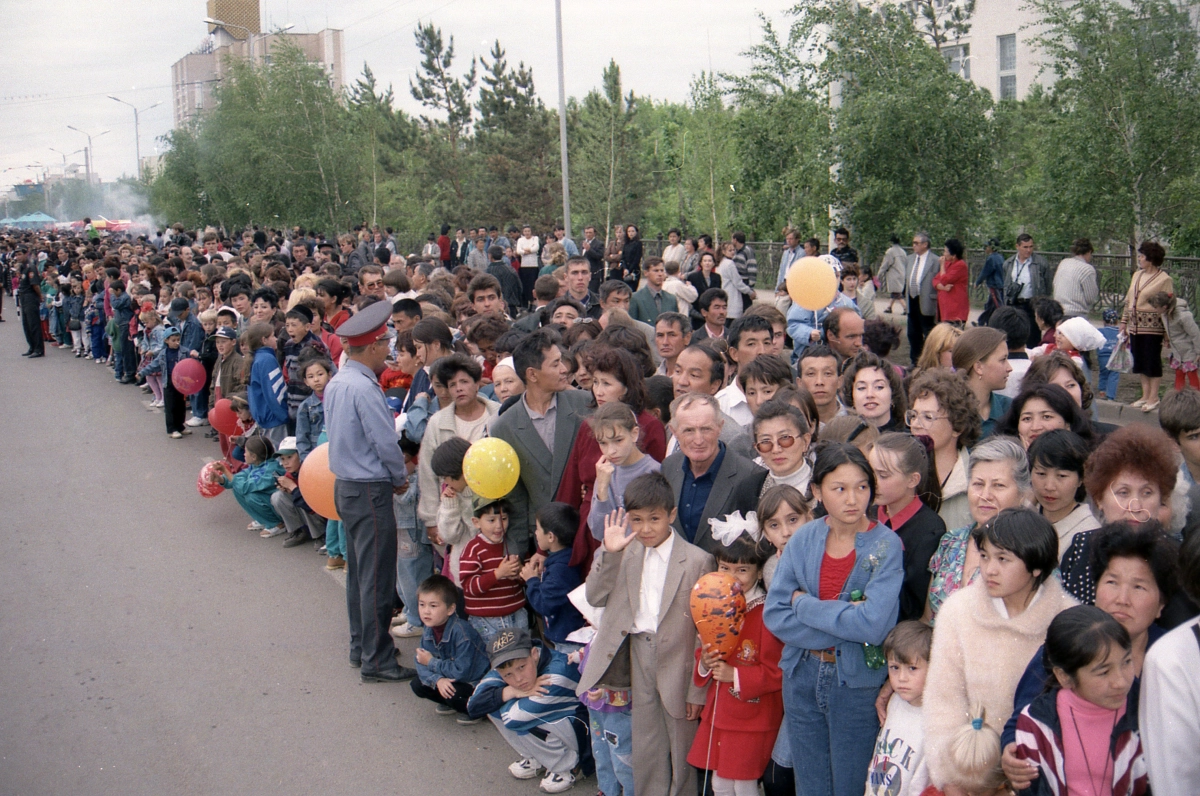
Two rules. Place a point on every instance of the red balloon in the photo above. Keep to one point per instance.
(718, 610)
(224, 419)
(205, 487)
(188, 376)
(316, 482)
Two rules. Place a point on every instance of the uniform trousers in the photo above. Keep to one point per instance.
(663, 741)
(370, 525)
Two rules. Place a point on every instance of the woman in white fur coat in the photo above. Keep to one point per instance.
(985, 636)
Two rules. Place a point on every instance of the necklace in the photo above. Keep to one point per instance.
(1096, 785)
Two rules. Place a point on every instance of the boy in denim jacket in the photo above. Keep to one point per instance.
(414, 554)
(451, 659)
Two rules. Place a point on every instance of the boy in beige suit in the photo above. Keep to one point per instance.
(646, 641)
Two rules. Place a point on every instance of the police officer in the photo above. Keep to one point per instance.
(29, 301)
(364, 455)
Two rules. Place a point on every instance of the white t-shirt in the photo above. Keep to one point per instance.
(1170, 711)
(1013, 388)
(898, 766)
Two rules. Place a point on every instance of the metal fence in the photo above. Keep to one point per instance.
(1113, 271)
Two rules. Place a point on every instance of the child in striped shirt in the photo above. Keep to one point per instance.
(490, 573)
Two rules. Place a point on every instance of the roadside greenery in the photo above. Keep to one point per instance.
(845, 115)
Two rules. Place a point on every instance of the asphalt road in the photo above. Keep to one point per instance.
(150, 644)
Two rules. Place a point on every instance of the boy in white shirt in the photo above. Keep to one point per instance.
(898, 767)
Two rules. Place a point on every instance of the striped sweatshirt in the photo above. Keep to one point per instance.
(486, 595)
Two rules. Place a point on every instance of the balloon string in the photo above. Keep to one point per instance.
(712, 728)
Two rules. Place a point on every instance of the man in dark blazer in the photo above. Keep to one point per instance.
(709, 481)
(919, 271)
(592, 249)
(651, 301)
(541, 427)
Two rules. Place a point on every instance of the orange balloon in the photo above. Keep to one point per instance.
(812, 283)
(718, 610)
(316, 482)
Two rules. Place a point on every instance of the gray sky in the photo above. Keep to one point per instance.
(62, 58)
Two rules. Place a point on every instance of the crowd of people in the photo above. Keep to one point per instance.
(956, 579)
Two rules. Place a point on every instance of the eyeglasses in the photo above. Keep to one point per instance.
(1139, 514)
(784, 441)
(927, 418)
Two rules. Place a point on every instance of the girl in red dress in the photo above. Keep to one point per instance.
(744, 706)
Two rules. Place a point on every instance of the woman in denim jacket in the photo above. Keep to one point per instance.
(834, 597)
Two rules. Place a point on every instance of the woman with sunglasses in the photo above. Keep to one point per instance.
(1130, 477)
(781, 437)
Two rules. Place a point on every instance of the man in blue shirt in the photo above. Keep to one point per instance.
(365, 457)
(709, 481)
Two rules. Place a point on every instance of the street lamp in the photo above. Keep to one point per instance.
(65, 155)
(137, 134)
(562, 121)
(89, 154)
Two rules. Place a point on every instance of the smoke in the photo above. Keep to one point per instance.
(72, 200)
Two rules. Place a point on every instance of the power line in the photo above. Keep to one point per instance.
(402, 27)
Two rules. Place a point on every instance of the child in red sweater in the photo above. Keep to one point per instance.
(489, 572)
(744, 706)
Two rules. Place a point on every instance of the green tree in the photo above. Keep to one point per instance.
(609, 173)
(449, 96)
(912, 140)
(1127, 92)
(517, 139)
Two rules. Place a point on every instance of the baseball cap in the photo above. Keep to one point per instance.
(179, 304)
(510, 644)
(170, 331)
(479, 503)
(287, 445)
(225, 332)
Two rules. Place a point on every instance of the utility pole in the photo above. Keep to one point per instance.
(90, 150)
(137, 131)
(562, 120)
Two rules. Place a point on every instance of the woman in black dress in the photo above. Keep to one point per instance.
(631, 256)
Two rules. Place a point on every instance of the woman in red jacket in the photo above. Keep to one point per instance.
(615, 377)
(951, 285)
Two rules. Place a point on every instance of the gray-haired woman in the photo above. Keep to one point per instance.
(998, 478)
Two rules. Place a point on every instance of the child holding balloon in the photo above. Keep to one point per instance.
(173, 402)
(744, 707)
(254, 484)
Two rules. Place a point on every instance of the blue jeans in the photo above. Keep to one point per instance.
(1108, 378)
(335, 539)
(414, 563)
(199, 402)
(832, 729)
(489, 626)
(612, 746)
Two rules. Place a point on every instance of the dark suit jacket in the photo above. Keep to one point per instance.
(641, 306)
(702, 333)
(736, 488)
(594, 253)
(541, 469)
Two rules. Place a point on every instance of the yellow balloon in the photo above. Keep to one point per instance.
(812, 283)
(491, 468)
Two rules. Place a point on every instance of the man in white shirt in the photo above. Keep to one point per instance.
(922, 266)
(1033, 275)
(749, 336)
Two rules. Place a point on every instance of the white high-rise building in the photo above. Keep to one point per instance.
(196, 75)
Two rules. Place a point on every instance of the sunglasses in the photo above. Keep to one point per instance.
(784, 441)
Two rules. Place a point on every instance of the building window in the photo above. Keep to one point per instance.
(958, 57)
(1006, 52)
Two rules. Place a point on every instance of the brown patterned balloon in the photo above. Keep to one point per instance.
(718, 610)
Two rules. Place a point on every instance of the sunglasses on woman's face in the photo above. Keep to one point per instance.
(784, 441)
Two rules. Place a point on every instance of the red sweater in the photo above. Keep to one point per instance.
(486, 595)
(953, 304)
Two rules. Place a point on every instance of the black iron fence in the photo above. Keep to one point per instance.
(1113, 271)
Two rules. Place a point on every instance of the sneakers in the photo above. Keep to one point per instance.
(175, 435)
(194, 421)
(466, 720)
(405, 630)
(335, 563)
(444, 710)
(270, 533)
(321, 549)
(254, 526)
(525, 768)
(557, 783)
(156, 404)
